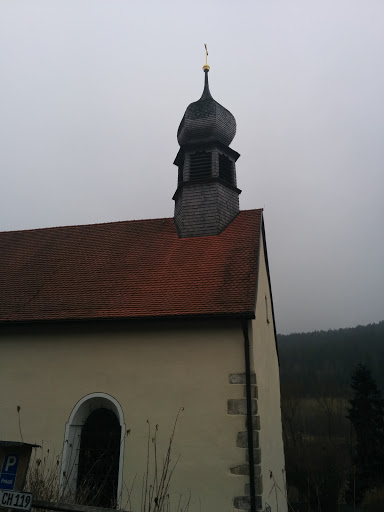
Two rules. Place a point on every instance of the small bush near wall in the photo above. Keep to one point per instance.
(43, 479)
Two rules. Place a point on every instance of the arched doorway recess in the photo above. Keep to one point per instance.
(93, 451)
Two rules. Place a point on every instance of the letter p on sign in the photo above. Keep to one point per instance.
(10, 462)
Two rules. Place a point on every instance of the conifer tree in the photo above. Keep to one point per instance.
(366, 413)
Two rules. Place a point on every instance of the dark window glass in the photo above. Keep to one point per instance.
(200, 166)
(99, 453)
(226, 170)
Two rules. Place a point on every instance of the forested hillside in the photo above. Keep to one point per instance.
(319, 439)
(322, 361)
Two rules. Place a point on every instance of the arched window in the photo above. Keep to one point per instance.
(93, 452)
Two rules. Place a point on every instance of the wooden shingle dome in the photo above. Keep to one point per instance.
(206, 120)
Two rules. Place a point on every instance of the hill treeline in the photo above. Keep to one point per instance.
(321, 362)
(319, 440)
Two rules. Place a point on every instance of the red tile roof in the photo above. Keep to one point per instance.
(132, 269)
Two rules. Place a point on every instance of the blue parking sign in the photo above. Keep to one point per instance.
(8, 472)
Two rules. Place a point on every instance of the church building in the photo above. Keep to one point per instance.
(109, 330)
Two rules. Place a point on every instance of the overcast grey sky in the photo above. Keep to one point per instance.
(92, 93)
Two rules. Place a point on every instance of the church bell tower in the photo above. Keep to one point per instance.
(207, 198)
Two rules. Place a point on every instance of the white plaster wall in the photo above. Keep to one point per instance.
(268, 382)
(152, 370)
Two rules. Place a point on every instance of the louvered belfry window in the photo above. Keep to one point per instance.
(226, 170)
(200, 166)
(180, 173)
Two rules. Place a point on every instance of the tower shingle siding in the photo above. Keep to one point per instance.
(205, 209)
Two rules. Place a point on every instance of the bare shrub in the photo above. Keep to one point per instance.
(43, 479)
(43, 475)
(156, 481)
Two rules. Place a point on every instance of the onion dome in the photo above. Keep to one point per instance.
(206, 120)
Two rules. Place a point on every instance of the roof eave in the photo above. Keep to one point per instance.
(248, 315)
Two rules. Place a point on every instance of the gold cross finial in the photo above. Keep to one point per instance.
(206, 67)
